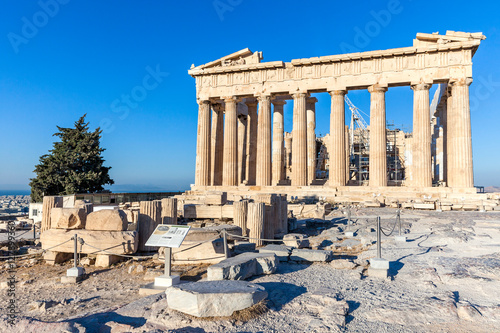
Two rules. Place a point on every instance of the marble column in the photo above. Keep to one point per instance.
(337, 173)
(459, 136)
(202, 176)
(242, 144)
(378, 149)
(444, 124)
(230, 159)
(311, 138)
(217, 144)
(347, 155)
(422, 166)
(251, 140)
(299, 140)
(278, 172)
(288, 155)
(264, 141)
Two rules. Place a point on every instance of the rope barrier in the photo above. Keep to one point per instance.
(36, 254)
(220, 257)
(262, 239)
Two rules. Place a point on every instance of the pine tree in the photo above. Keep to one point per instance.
(74, 165)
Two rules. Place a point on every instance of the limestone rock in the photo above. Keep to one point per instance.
(311, 255)
(87, 261)
(342, 264)
(107, 220)
(242, 247)
(214, 298)
(104, 260)
(296, 240)
(281, 251)
(67, 218)
(118, 242)
(243, 266)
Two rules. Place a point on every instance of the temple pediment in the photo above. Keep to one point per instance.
(424, 39)
(242, 57)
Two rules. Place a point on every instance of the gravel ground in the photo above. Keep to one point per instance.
(445, 278)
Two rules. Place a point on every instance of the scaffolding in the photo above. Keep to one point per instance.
(359, 146)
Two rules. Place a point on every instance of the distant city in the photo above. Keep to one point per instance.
(14, 204)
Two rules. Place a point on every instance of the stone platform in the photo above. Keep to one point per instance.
(214, 298)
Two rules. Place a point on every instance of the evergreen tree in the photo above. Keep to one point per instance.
(74, 165)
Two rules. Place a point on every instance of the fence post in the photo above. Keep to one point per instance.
(399, 221)
(76, 250)
(379, 246)
(226, 254)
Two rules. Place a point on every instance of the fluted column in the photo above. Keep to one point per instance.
(149, 218)
(444, 123)
(242, 147)
(240, 214)
(217, 144)
(311, 138)
(264, 142)
(256, 221)
(347, 154)
(230, 160)
(251, 140)
(299, 140)
(459, 136)
(422, 166)
(288, 154)
(202, 175)
(278, 172)
(378, 149)
(337, 173)
(169, 211)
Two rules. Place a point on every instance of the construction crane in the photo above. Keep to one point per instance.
(358, 136)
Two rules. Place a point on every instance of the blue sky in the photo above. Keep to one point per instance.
(60, 59)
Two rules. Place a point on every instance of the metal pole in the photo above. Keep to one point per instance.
(76, 249)
(399, 221)
(168, 261)
(226, 255)
(34, 231)
(379, 247)
(349, 217)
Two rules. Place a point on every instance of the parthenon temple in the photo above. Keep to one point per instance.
(242, 146)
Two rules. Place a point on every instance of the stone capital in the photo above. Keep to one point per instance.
(230, 99)
(203, 101)
(420, 86)
(218, 107)
(338, 92)
(277, 101)
(377, 88)
(251, 101)
(311, 100)
(264, 98)
(299, 94)
(461, 81)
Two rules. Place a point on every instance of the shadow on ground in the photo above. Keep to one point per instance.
(94, 323)
(281, 293)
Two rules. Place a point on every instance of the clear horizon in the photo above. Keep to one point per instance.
(125, 65)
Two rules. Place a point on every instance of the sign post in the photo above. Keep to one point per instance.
(168, 236)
